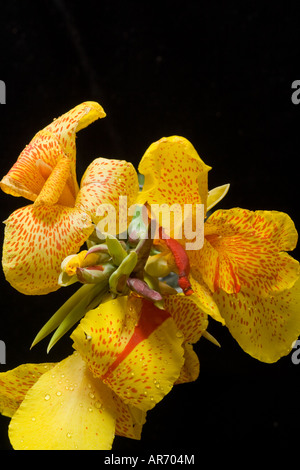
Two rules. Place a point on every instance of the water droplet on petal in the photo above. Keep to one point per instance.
(69, 434)
(47, 397)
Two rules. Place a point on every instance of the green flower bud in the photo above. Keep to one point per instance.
(117, 281)
(95, 274)
(116, 249)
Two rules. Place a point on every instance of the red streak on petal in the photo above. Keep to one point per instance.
(151, 318)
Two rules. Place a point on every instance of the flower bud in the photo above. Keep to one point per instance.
(117, 281)
(81, 260)
(116, 249)
(142, 288)
(158, 265)
(95, 274)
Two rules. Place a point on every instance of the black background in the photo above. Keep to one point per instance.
(218, 73)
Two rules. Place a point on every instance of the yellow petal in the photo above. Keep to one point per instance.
(37, 239)
(174, 173)
(187, 315)
(130, 420)
(108, 182)
(54, 142)
(245, 249)
(66, 409)
(204, 297)
(66, 126)
(81, 260)
(134, 347)
(265, 327)
(191, 369)
(15, 383)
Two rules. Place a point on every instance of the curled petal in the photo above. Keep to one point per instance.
(66, 409)
(65, 127)
(134, 347)
(191, 369)
(245, 249)
(55, 142)
(15, 383)
(37, 239)
(265, 327)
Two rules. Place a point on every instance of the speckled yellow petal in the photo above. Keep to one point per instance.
(66, 126)
(189, 318)
(25, 178)
(37, 239)
(191, 368)
(204, 297)
(67, 409)
(245, 249)
(112, 182)
(15, 383)
(174, 173)
(134, 347)
(129, 421)
(54, 142)
(265, 327)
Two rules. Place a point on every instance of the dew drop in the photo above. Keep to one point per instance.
(47, 397)
(91, 395)
(69, 434)
(58, 394)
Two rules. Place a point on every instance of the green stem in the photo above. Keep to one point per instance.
(61, 313)
(90, 301)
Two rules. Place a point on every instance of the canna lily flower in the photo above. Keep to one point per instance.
(62, 216)
(242, 276)
(128, 355)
